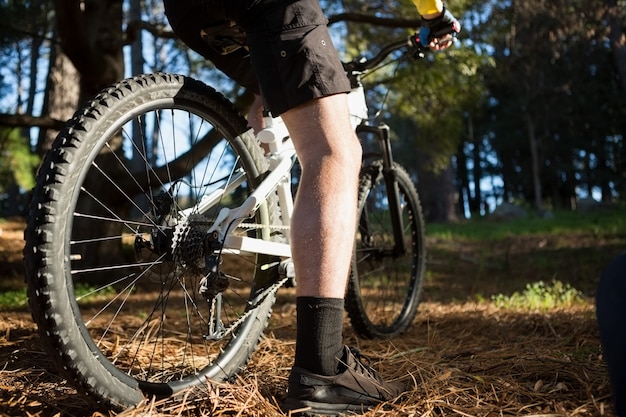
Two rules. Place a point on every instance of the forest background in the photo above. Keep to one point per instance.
(527, 108)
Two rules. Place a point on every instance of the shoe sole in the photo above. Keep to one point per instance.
(314, 409)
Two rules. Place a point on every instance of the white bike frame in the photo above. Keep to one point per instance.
(281, 157)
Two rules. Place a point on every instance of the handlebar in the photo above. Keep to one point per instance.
(362, 64)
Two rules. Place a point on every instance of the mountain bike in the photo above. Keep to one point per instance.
(158, 236)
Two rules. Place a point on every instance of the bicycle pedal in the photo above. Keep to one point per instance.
(286, 270)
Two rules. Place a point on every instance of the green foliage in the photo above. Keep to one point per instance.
(13, 299)
(17, 162)
(540, 296)
(427, 96)
(14, 17)
(551, 63)
(84, 293)
(605, 222)
(437, 92)
(522, 72)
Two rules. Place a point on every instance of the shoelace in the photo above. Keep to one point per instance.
(363, 365)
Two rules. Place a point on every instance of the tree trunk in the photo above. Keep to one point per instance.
(534, 153)
(436, 190)
(476, 201)
(615, 18)
(61, 99)
(462, 180)
(91, 36)
(136, 67)
(437, 193)
(35, 43)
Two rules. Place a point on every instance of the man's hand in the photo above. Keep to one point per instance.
(436, 32)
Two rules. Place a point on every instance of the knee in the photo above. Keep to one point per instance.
(341, 156)
(352, 153)
(347, 157)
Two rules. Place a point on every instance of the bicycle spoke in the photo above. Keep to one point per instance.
(123, 278)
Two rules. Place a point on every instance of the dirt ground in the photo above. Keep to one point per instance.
(462, 356)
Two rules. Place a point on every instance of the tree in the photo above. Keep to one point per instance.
(16, 170)
(552, 94)
(541, 82)
(615, 15)
(61, 96)
(90, 32)
(23, 41)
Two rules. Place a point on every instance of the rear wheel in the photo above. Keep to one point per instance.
(130, 296)
(385, 286)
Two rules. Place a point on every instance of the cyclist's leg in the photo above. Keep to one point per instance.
(322, 238)
(302, 78)
(324, 219)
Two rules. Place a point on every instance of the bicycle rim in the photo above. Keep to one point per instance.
(117, 246)
(385, 288)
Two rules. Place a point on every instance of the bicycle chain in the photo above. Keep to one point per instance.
(271, 289)
(263, 226)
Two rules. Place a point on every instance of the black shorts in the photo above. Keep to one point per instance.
(290, 48)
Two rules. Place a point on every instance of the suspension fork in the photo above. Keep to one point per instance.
(381, 132)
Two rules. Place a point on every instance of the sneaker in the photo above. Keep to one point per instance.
(356, 388)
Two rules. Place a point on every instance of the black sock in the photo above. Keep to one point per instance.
(319, 338)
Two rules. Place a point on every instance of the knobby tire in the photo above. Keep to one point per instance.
(384, 288)
(105, 240)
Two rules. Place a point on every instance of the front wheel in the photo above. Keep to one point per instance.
(385, 285)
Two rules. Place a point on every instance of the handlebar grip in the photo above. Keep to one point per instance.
(419, 50)
(417, 44)
(448, 30)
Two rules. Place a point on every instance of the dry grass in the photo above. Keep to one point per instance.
(465, 359)
(460, 358)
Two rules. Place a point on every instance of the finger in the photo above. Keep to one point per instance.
(442, 43)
